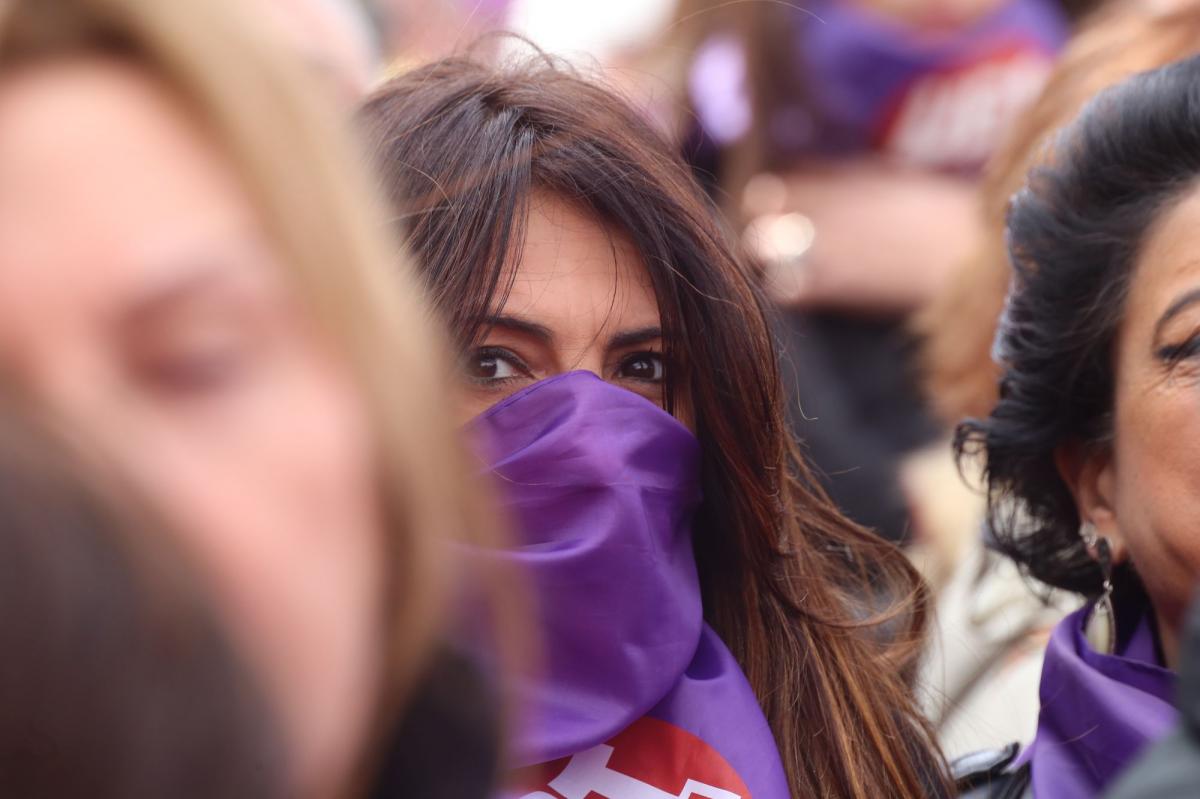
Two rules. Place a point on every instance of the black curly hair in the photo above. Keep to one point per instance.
(1074, 235)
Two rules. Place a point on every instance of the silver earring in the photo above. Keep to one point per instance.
(1101, 627)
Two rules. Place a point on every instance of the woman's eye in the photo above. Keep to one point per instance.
(201, 349)
(192, 374)
(488, 365)
(1175, 353)
(644, 366)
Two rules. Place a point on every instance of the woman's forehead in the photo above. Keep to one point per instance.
(94, 217)
(573, 266)
(1169, 260)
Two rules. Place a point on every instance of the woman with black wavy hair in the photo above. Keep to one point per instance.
(1092, 448)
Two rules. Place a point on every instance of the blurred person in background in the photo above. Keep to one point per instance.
(1090, 448)
(708, 615)
(339, 39)
(983, 670)
(118, 680)
(417, 31)
(194, 279)
(846, 137)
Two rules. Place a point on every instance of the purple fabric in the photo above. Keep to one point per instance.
(717, 85)
(714, 702)
(602, 485)
(1097, 711)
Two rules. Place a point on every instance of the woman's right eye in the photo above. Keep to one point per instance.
(1174, 354)
(194, 374)
(488, 365)
(195, 361)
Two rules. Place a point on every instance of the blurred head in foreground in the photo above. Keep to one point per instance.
(191, 278)
(117, 680)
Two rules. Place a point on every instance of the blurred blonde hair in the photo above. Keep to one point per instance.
(1122, 38)
(298, 165)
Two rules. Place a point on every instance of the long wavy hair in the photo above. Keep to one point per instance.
(792, 587)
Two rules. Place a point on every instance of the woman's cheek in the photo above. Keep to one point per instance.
(270, 486)
(1157, 470)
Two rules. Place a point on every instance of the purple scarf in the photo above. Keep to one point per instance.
(1097, 711)
(636, 696)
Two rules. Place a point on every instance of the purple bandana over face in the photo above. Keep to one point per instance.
(636, 696)
(1097, 711)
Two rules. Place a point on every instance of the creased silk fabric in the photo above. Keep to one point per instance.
(1098, 711)
(602, 486)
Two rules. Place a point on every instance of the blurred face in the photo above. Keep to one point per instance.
(580, 299)
(1143, 494)
(141, 300)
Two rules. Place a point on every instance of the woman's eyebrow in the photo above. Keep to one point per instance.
(1181, 303)
(518, 324)
(202, 269)
(181, 283)
(632, 338)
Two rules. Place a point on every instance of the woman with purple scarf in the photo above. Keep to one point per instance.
(710, 624)
(1092, 448)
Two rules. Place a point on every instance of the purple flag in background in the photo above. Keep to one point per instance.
(932, 98)
(636, 697)
(864, 82)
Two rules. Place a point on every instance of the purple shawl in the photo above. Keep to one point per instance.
(1097, 711)
(636, 694)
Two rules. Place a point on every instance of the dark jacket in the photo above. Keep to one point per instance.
(989, 775)
(447, 746)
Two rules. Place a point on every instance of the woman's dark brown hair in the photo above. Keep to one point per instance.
(791, 586)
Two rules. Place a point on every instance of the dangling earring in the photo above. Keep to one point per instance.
(1101, 629)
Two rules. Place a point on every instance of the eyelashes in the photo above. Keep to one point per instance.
(1174, 354)
(499, 366)
(645, 367)
(494, 366)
